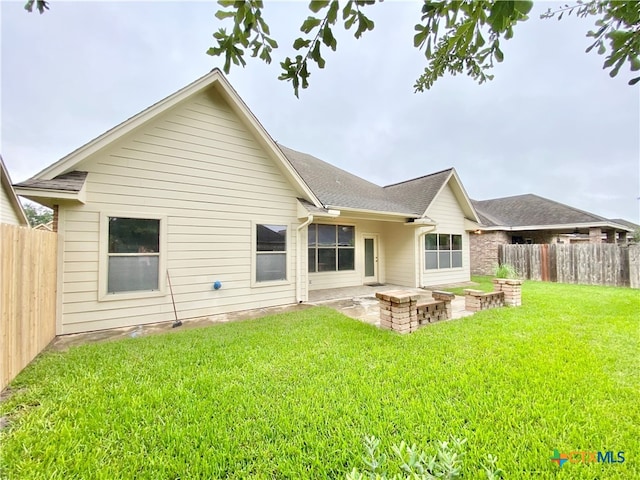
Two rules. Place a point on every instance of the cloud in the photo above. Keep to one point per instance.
(551, 123)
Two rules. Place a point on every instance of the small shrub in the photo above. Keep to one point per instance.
(506, 271)
(412, 463)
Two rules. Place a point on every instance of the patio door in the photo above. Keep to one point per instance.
(370, 259)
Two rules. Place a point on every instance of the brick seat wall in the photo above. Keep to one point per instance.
(477, 300)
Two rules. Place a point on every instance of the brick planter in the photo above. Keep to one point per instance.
(512, 289)
(477, 300)
(398, 311)
(437, 309)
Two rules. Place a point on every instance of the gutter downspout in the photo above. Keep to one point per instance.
(300, 264)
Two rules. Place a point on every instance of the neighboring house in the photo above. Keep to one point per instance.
(196, 187)
(47, 227)
(626, 223)
(11, 210)
(533, 219)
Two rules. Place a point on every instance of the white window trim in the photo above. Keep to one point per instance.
(355, 251)
(254, 252)
(103, 263)
(445, 269)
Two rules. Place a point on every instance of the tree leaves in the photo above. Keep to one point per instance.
(309, 24)
(41, 6)
(321, 33)
(453, 34)
(619, 24)
(249, 31)
(456, 36)
(467, 27)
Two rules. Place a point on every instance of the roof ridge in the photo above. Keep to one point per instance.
(419, 178)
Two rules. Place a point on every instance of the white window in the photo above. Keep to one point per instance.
(132, 254)
(442, 250)
(331, 248)
(271, 253)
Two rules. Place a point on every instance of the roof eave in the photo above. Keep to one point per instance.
(50, 197)
(346, 210)
(13, 196)
(565, 226)
(215, 77)
(67, 162)
(243, 111)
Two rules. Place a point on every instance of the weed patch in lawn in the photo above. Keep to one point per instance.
(293, 395)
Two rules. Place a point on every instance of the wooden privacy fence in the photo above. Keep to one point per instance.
(27, 296)
(590, 264)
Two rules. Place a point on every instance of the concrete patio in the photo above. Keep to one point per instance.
(361, 303)
(358, 302)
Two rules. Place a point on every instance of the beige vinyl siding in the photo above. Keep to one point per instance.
(321, 280)
(8, 213)
(200, 168)
(401, 262)
(446, 211)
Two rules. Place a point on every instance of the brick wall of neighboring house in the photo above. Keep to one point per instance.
(484, 247)
(484, 251)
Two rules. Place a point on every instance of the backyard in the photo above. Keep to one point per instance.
(293, 395)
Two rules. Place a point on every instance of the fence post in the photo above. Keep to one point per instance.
(634, 265)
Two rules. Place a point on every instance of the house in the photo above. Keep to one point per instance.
(626, 223)
(11, 211)
(47, 227)
(533, 219)
(194, 188)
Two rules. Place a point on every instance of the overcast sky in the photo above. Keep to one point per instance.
(551, 123)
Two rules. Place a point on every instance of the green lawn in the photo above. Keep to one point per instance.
(291, 396)
(481, 283)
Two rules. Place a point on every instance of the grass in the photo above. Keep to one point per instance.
(483, 283)
(291, 396)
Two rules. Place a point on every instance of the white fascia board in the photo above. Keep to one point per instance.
(35, 193)
(345, 212)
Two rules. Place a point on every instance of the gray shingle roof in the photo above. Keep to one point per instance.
(419, 192)
(71, 182)
(336, 187)
(625, 223)
(529, 209)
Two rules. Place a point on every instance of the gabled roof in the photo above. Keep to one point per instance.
(532, 211)
(418, 193)
(213, 79)
(5, 180)
(337, 188)
(321, 184)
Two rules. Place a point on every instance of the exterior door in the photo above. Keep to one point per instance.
(370, 259)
